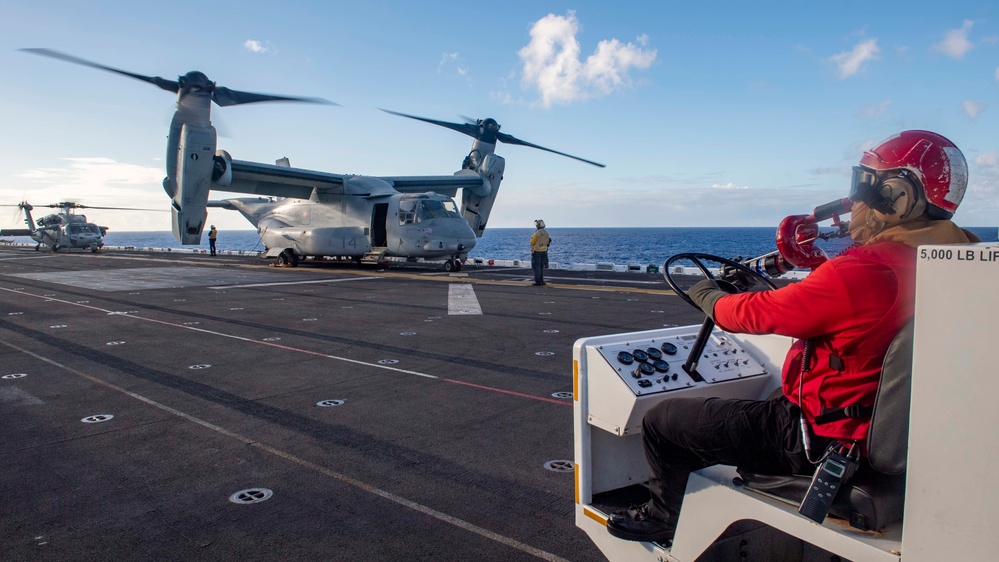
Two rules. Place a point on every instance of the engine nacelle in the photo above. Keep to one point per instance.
(195, 164)
(222, 172)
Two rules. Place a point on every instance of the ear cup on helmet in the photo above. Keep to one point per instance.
(898, 201)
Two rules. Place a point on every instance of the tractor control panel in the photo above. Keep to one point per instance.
(656, 365)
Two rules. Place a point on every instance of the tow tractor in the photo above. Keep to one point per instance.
(924, 494)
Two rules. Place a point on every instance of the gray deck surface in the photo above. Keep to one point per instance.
(213, 369)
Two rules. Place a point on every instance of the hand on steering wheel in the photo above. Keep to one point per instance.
(690, 365)
(699, 260)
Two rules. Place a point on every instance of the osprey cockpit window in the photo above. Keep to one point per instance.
(407, 211)
(452, 208)
(431, 209)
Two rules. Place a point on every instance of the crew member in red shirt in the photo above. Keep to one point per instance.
(847, 311)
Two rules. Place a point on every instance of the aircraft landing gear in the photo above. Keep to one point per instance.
(288, 258)
(452, 265)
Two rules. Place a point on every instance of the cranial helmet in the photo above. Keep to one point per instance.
(539, 223)
(921, 159)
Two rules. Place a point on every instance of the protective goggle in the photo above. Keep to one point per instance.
(862, 185)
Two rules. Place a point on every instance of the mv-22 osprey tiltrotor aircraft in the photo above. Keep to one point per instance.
(65, 229)
(319, 213)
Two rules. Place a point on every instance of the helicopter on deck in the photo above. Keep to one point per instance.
(64, 229)
(312, 213)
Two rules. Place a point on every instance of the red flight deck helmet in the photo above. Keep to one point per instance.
(933, 160)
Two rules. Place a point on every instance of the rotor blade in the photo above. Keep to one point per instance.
(508, 139)
(168, 85)
(225, 97)
(469, 129)
(122, 209)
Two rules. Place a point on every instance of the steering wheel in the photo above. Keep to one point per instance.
(699, 260)
(690, 365)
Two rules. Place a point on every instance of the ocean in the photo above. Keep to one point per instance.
(620, 246)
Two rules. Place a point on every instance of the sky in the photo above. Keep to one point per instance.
(705, 113)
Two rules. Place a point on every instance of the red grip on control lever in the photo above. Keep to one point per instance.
(796, 242)
(796, 234)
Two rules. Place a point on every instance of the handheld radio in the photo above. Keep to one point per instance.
(836, 468)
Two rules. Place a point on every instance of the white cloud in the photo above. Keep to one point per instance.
(553, 67)
(849, 62)
(997, 74)
(98, 182)
(955, 43)
(972, 108)
(449, 60)
(254, 46)
(874, 111)
(729, 185)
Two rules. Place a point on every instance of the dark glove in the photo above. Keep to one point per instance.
(737, 277)
(706, 293)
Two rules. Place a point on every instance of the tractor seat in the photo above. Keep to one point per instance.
(874, 497)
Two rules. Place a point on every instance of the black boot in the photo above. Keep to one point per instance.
(639, 524)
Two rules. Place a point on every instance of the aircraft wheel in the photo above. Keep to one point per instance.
(294, 259)
(282, 259)
(449, 265)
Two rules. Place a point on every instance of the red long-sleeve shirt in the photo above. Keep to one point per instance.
(851, 306)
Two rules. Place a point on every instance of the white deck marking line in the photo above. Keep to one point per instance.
(294, 349)
(461, 299)
(450, 519)
(290, 283)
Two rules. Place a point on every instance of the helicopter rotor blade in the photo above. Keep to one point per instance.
(168, 85)
(122, 209)
(509, 139)
(226, 97)
(221, 95)
(487, 130)
(470, 129)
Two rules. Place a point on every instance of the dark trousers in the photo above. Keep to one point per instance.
(538, 263)
(211, 244)
(682, 435)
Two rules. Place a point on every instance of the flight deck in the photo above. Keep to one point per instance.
(189, 407)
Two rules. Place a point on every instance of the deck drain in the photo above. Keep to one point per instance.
(657, 311)
(309, 319)
(278, 299)
(559, 466)
(97, 419)
(346, 307)
(199, 366)
(179, 300)
(551, 331)
(52, 295)
(14, 376)
(407, 333)
(236, 308)
(115, 343)
(562, 395)
(544, 314)
(329, 403)
(191, 323)
(631, 300)
(272, 339)
(545, 353)
(387, 361)
(433, 317)
(14, 313)
(251, 495)
(57, 326)
(82, 302)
